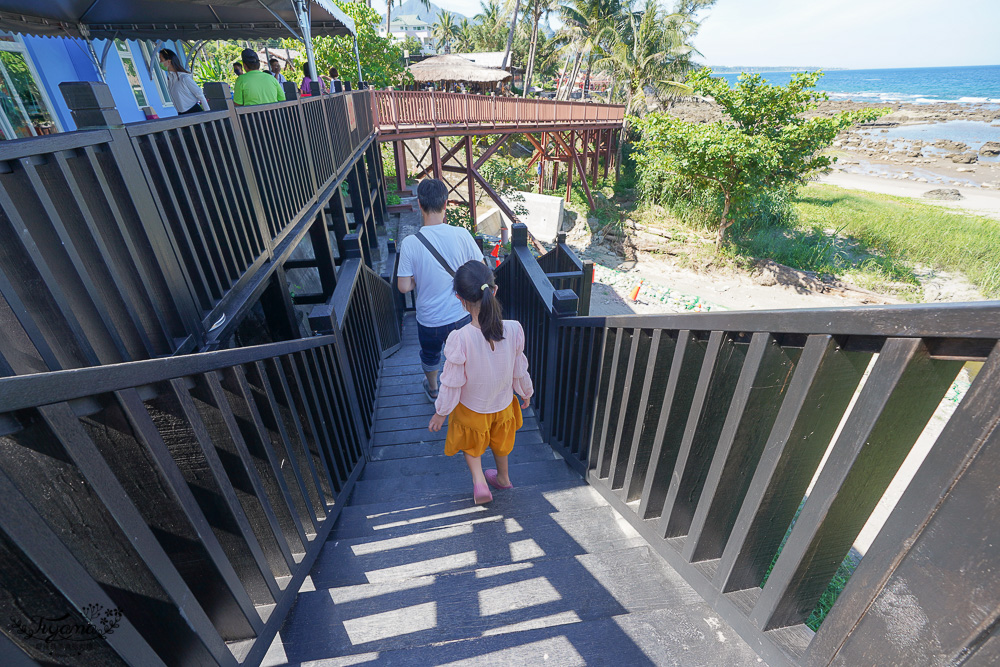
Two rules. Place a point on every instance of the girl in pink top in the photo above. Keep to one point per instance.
(484, 367)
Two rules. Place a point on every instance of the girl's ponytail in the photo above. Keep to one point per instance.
(474, 283)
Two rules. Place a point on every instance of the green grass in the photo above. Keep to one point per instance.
(908, 231)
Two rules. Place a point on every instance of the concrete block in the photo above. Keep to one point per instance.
(544, 217)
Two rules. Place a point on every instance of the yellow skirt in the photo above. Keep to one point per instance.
(472, 432)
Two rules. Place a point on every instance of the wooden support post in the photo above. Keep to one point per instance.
(607, 155)
(595, 155)
(472, 180)
(319, 235)
(541, 166)
(337, 222)
(575, 159)
(279, 313)
(569, 164)
(399, 153)
(436, 157)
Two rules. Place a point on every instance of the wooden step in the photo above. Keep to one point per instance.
(409, 488)
(405, 613)
(475, 541)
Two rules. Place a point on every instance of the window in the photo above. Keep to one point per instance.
(152, 62)
(131, 72)
(25, 110)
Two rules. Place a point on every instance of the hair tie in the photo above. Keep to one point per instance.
(483, 288)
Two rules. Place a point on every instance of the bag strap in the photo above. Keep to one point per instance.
(427, 244)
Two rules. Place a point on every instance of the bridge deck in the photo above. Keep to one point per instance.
(415, 574)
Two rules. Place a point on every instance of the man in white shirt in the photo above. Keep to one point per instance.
(275, 67)
(438, 311)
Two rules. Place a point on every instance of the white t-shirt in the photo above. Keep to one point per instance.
(436, 302)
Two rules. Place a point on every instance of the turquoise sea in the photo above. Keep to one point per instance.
(920, 84)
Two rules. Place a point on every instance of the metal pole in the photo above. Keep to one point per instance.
(302, 16)
(92, 52)
(357, 58)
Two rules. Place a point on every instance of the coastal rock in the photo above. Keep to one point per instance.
(990, 149)
(965, 158)
(943, 194)
(956, 146)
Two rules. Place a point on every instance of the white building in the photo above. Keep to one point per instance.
(410, 25)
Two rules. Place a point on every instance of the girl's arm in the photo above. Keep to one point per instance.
(451, 381)
(522, 381)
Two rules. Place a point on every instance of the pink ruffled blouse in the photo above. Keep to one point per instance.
(479, 378)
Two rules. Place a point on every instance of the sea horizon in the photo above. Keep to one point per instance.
(922, 85)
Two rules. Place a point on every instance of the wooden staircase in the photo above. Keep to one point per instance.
(414, 573)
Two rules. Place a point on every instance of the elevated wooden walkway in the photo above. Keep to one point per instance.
(414, 573)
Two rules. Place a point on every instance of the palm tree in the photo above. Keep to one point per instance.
(465, 35)
(539, 8)
(510, 34)
(589, 22)
(489, 26)
(651, 53)
(445, 30)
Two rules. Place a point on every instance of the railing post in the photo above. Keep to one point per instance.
(564, 304)
(518, 235)
(586, 287)
(91, 105)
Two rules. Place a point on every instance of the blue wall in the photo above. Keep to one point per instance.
(62, 59)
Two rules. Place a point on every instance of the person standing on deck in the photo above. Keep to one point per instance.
(186, 95)
(276, 70)
(485, 371)
(306, 87)
(255, 87)
(427, 264)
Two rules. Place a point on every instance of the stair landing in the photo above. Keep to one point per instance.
(414, 573)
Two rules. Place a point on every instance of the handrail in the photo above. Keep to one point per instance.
(396, 110)
(747, 446)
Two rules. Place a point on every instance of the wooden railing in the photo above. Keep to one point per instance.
(154, 238)
(400, 110)
(167, 511)
(751, 448)
(566, 271)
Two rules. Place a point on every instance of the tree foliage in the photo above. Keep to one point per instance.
(764, 144)
(381, 57)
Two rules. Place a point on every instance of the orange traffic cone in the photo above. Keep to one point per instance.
(635, 292)
(496, 251)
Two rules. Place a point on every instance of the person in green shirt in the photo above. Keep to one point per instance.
(256, 87)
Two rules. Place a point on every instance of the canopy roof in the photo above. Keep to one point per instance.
(455, 68)
(167, 19)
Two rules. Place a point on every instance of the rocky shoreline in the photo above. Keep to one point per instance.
(874, 150)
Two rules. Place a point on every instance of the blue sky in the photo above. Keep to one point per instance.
(844, 33)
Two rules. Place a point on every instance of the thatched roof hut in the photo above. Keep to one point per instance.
(455, 68)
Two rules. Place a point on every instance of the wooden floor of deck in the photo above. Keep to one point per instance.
(414, 573)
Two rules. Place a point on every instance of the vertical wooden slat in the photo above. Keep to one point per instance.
(236, 618)
(651, 403)
(824, 381)
(895, 404)
(257, 493)
(753, 410)
(632, 406)
(716, 384)
(258, 577)
(688, 358)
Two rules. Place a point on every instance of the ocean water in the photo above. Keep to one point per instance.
(919, 85)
